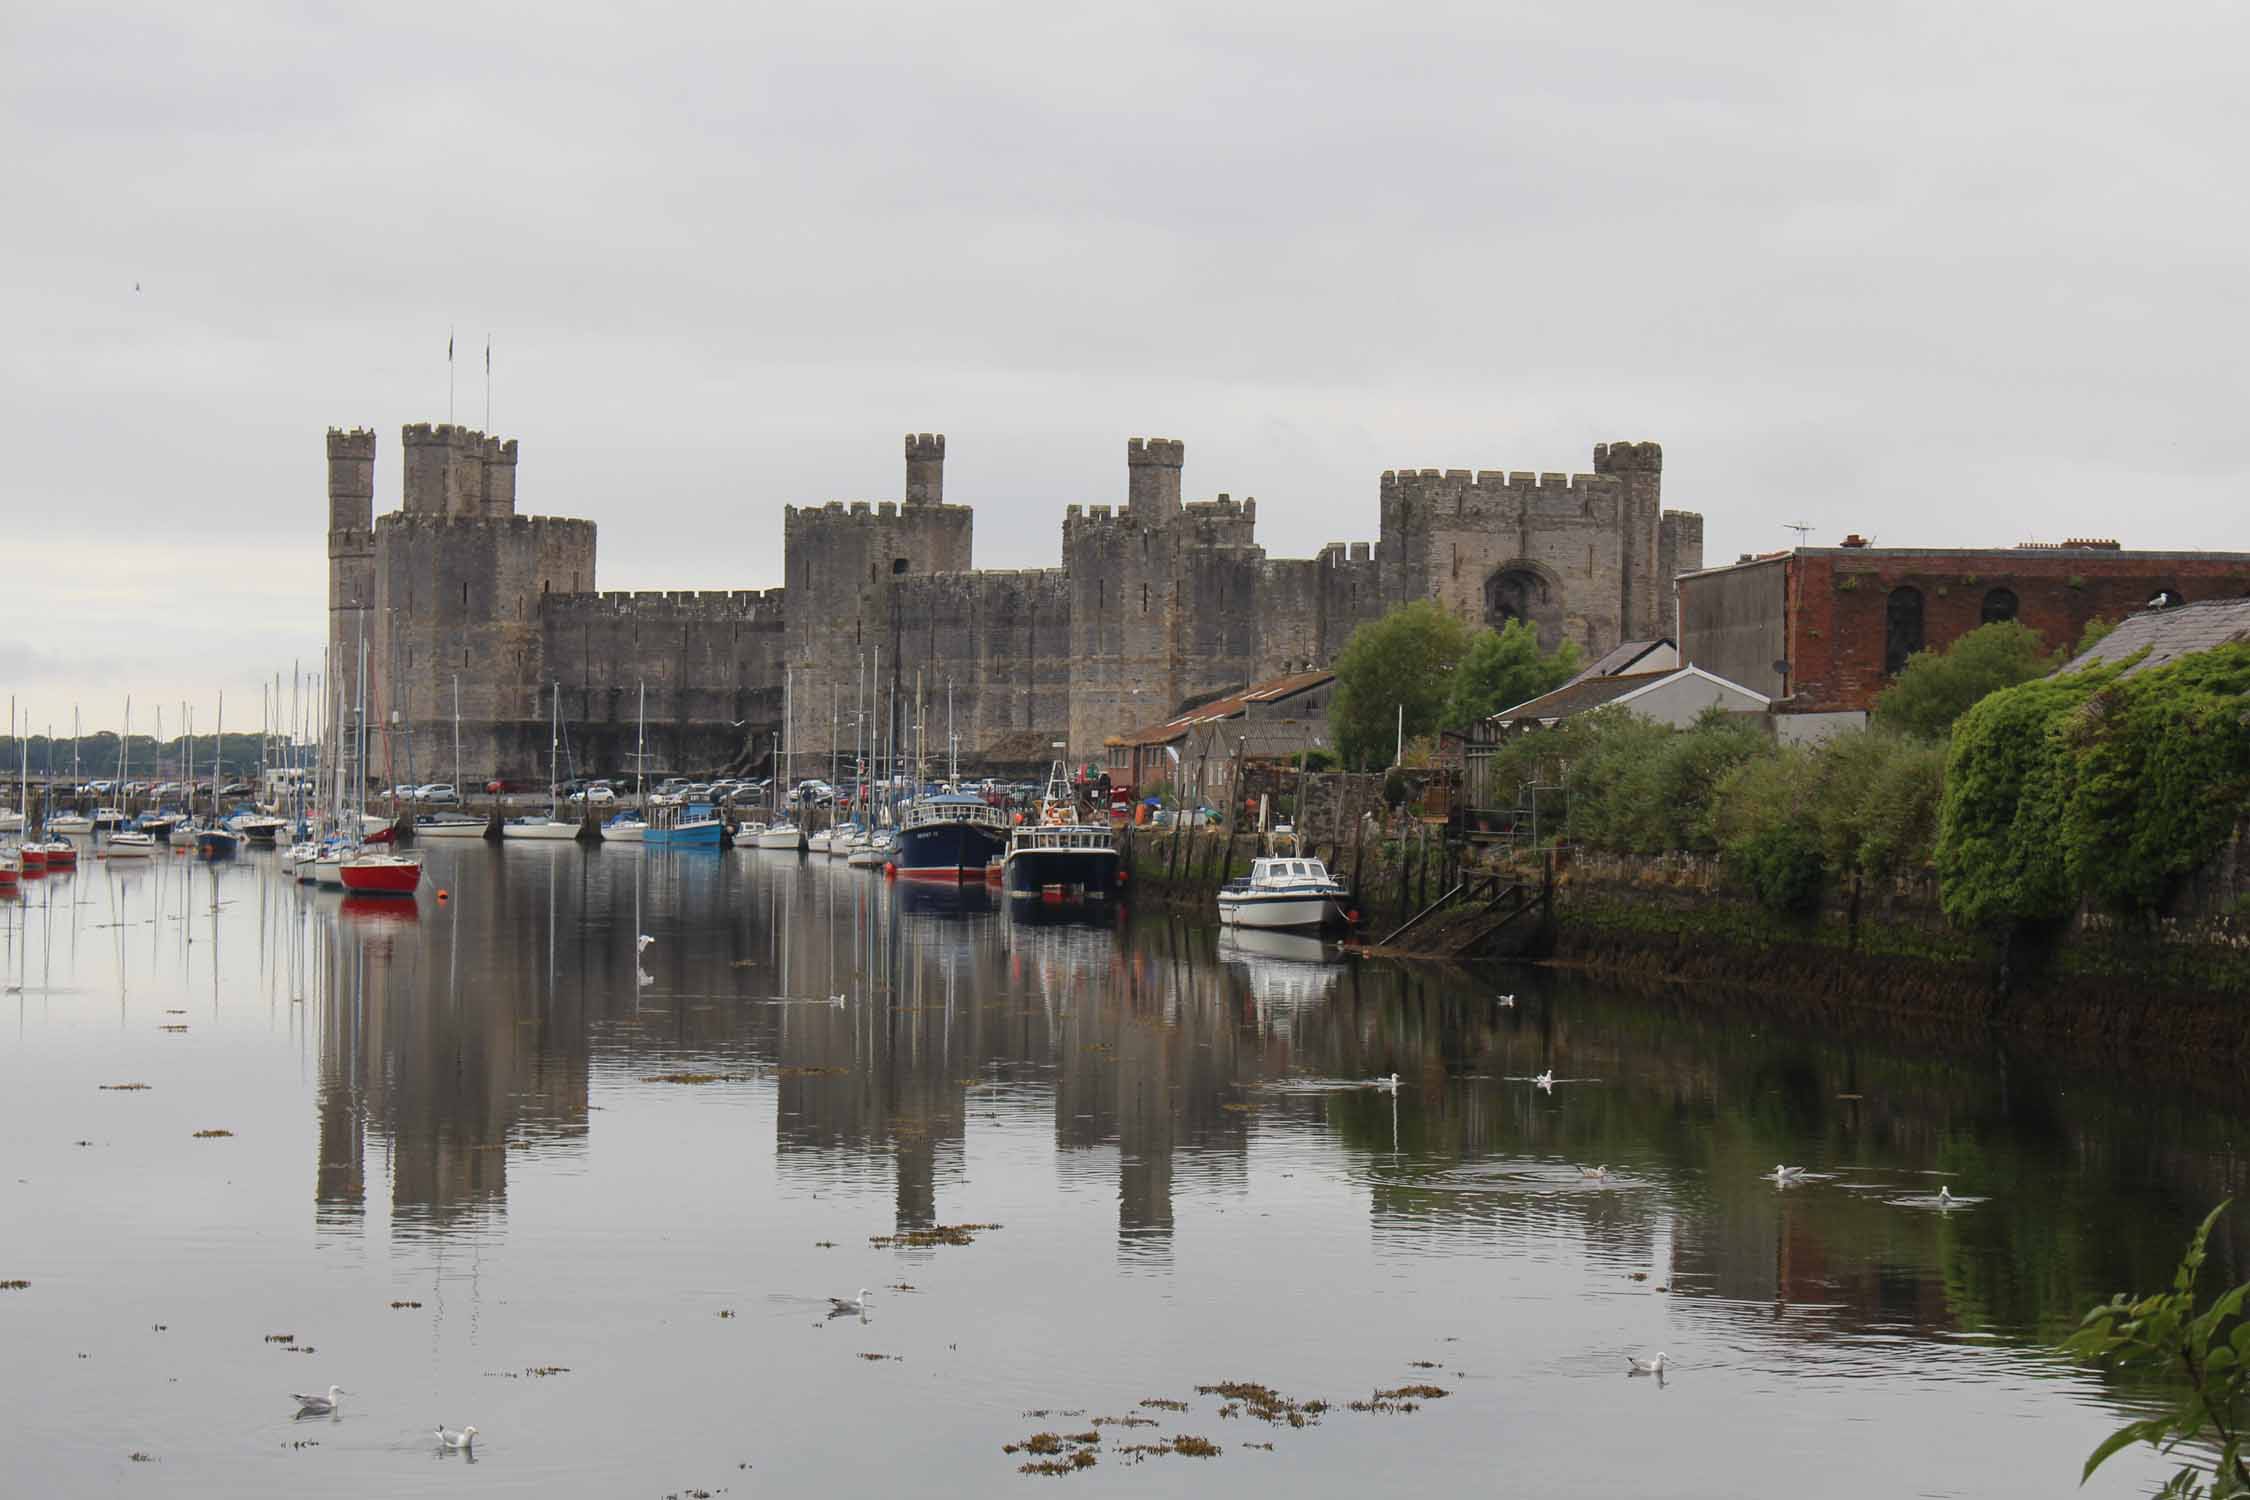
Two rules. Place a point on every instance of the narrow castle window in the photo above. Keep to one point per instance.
(1144, 598)
(1902, 628)
(2000, 604)
(464, 596)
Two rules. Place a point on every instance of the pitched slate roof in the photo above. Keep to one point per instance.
(2169, 634)
(1620, 658)
(1579, 697)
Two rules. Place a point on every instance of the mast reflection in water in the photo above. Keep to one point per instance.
(592, 1196)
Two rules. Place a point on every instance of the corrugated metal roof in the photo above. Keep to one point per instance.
(1619, 657)
(1270, 691)
(2169, 634)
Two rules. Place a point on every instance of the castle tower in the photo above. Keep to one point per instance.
(1152, 477)
(925, 468)
(1645, 608)
(351, 546)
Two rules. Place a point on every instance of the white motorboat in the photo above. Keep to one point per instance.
(131, 844)
(70, 823)
(817, 843)
(871, 853)
(746, 835)
(625, 828)
(328, 865)
(300, 859)
(782, 836)
(1282, 893)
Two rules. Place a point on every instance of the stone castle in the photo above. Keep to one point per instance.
(1158, 602)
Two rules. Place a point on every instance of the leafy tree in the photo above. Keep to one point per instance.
(2163, 1335)
(1936, 688)
(1407, 658)
(1503, 668)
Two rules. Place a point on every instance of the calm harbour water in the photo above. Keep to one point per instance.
(456, 1183)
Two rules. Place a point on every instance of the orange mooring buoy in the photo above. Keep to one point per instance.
(441, 895)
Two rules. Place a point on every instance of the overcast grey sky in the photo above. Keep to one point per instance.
(1946, 274)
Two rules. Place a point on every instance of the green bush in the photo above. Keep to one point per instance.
(2094, 786)
(1503, 668)
(1782, 865)
(1937, 687)
(1403, 661)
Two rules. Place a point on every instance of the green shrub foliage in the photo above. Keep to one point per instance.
(2095, 785)
(1503, 668)
(1405, 659)
(1782, 865)
(1937, 687)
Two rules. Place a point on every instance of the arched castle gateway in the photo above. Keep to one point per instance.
(1157, 600)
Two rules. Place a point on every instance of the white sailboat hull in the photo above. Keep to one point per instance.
(787, 836)
(551, 829)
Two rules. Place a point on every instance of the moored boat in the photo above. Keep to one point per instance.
(262, 829)
(951, 836)
(685, 825)
(784, 835)
(1060, 855)
(381, 874)
(539, 827)
(1282, 893)
(449, 826)
(70, 823)
(128, 843)
(216, 843)
(61, 854)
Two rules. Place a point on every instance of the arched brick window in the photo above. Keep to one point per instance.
(1999, 604)
(1902, 628)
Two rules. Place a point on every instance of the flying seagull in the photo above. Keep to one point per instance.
(1546, 1080)
(465, 1438)
(640, 944)
(317, 1403)
(1645, 1366)
(1507, 1002)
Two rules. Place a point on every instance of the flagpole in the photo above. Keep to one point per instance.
(449, 376)
(488, 382)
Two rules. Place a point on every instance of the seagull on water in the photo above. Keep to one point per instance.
(1945, 1198)
(1545, 1080)
(1634, 1366)
(1781, 1173)
(1507, 1002)
(1388, 1085)
(315, 1402)
(1595, 1174)
(465, 1438)
(839, 1306)
(837, 1001)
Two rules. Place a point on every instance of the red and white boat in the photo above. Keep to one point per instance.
(382, 874)
(33, 858)
(61, 854)
(11, 873)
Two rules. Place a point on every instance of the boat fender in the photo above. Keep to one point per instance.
(890, 870)
(441, 895)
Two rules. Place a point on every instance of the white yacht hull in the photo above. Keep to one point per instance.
(544, 829)
(1274, 911)
(787, 836)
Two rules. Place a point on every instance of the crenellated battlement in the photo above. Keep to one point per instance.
(1428, 497)
(670, 604)
(410, 520)
(351, 442)
(1628, 458)
(1167, 453)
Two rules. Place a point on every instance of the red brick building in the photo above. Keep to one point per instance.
(1823, 630)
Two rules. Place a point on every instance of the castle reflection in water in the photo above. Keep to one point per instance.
(456, 1035)
(1161, 1058)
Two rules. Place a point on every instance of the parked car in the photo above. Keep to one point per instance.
(235, 789)
(597, 794)
(436, 791)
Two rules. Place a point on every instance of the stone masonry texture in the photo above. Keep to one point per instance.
(1158, 600)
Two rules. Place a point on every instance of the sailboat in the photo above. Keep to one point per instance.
(212, 840)
(72, 822)
(124, 842)
(453, 824)
(382, 872)
(783, 832)
(551, 826)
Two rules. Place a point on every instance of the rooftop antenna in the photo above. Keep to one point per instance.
(1799, 527)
